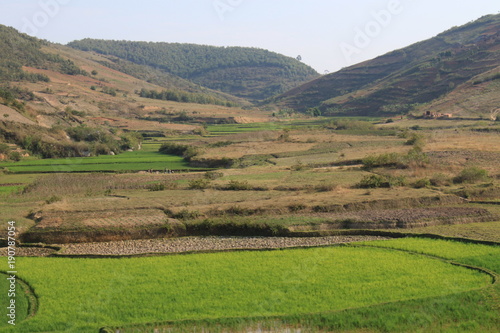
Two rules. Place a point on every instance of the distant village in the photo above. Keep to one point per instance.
(437, 115)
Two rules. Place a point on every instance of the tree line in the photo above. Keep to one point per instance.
(184, 97)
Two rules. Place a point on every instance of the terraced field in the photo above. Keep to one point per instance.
(303, 288)
(128, 161)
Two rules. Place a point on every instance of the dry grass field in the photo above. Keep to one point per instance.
(301, 174)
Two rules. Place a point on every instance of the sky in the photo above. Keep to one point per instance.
(327, 34)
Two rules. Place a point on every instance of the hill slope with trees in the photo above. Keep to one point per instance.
(398, 81)
(250, 73)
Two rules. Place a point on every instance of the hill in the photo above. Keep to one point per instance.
(250, 73)
(478, 97)
(396, 82)
(57, 101)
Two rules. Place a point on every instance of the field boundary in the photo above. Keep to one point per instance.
(29, 292)
(494, 275)
(380, 233)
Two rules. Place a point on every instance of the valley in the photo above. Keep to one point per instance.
(165, 187)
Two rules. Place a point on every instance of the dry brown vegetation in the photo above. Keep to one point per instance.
(303, 176)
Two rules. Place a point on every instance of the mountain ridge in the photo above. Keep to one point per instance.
(416, 74)
(250, 73)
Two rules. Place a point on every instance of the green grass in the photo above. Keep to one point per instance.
(467, 253)
(81, 295)
(128, 161)
(10, 189)
(298, 178)
(21, 303)
(225, 129)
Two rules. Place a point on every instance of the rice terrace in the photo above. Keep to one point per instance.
(167, 187)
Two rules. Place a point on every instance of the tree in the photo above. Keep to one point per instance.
(15, 156)
(4, 148)
(314, 112)
(299, 57)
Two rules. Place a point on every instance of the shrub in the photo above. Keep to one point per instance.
(156, 187)
(416, 140)
(397, 181)
(15, 156)
(213, 175)
(299, 166)
(471, 175)
(346, 124)
(440, 179)
(4, 148)
(373, 181)
(422, 183)
(285, 136)
(221, 144)
(416, 158)
(199, 184)
(378, 181)
(325, 187)
(186, 214)
(53, 199)
(383, 160)
(240, 211)
(186, 151)
(235, 185)
(296, 207)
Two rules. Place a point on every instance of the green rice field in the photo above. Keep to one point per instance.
(82, 295)
(128, 161)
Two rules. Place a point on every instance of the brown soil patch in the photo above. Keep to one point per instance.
(197, 244)
(101, 219)
(14, 116)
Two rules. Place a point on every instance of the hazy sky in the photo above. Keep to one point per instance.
(328, 34)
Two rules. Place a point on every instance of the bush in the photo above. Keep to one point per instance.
(15, 156)
(422, 183)
(299, 166)
(383, 160)
(346, 124)
(440, 179)
(186, 214)
(325, 187)
(4, 148)
(241, 211)
(221, 144)
(471, 175)
(416, 139)
(186, 151)
(416, 158)
(296, 207)
(199, 184)
(373, 181)
(235, 185)
(53, 199)
(378, 181)
(213, 175)
(156, 187)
